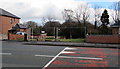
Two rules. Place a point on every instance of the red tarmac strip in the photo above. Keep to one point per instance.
(107, 55)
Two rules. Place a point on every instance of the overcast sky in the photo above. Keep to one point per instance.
(36, 9)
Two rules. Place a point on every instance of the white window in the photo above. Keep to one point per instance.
(10, 20)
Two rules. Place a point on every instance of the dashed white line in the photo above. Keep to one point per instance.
(53, 59)
(5, 53)
(44, 56)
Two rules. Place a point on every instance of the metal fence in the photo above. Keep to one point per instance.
(65, 32)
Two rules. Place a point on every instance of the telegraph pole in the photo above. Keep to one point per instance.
(56, 33)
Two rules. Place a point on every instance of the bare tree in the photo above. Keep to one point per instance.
(47, 19)
(97, 14)
(78, 14)
(82, 13)
(43, 21)
(116, 14)
(85, 14)
(67, 14)
(30, 24)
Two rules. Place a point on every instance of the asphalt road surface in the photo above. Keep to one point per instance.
(15, 54)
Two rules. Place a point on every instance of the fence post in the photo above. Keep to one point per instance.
(56, 33)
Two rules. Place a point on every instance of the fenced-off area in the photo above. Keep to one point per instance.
(61, 34)
(69, 34)
(65, 32)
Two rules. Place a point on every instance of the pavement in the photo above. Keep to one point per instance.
(71, 44)
(3, 37)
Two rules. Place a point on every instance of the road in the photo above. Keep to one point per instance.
(15, 54)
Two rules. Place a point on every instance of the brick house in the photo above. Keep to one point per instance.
(114, 38)
(18, 28)
(116, 28)
(7, 21)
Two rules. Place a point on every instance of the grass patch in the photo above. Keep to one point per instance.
(49, 39)
(60, 40)
(32, 39)
(20, 39)
(71, 40)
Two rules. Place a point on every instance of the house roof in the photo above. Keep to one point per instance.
(18, 26)
(6, 13)
(21, 26)
(117, 24)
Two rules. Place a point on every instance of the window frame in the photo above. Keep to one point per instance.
(11, 21)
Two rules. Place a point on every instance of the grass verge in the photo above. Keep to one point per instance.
(71, 40)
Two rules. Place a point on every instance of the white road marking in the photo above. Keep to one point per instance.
(63, 51)
(70, 57)
(53, 59)
(44, 56)
(81, 57)
(67, 52)
(5, 53)
(71, 48)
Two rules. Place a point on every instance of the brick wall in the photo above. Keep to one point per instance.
(5, 24)
(0, 25)
(14, 36)
(103, 38)
(115, 31)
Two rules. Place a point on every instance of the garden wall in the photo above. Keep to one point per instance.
(14, 36)
(103, 38)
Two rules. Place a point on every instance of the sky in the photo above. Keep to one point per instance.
(35, 10)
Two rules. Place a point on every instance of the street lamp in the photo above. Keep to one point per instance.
(70, 34)
(57, 32)
(32, 33)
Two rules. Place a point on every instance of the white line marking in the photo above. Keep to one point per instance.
(5, 54)
(82, 57)
(71, 48)
(67, 52)
(53, 59)
(44, 56)
(70, 57)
